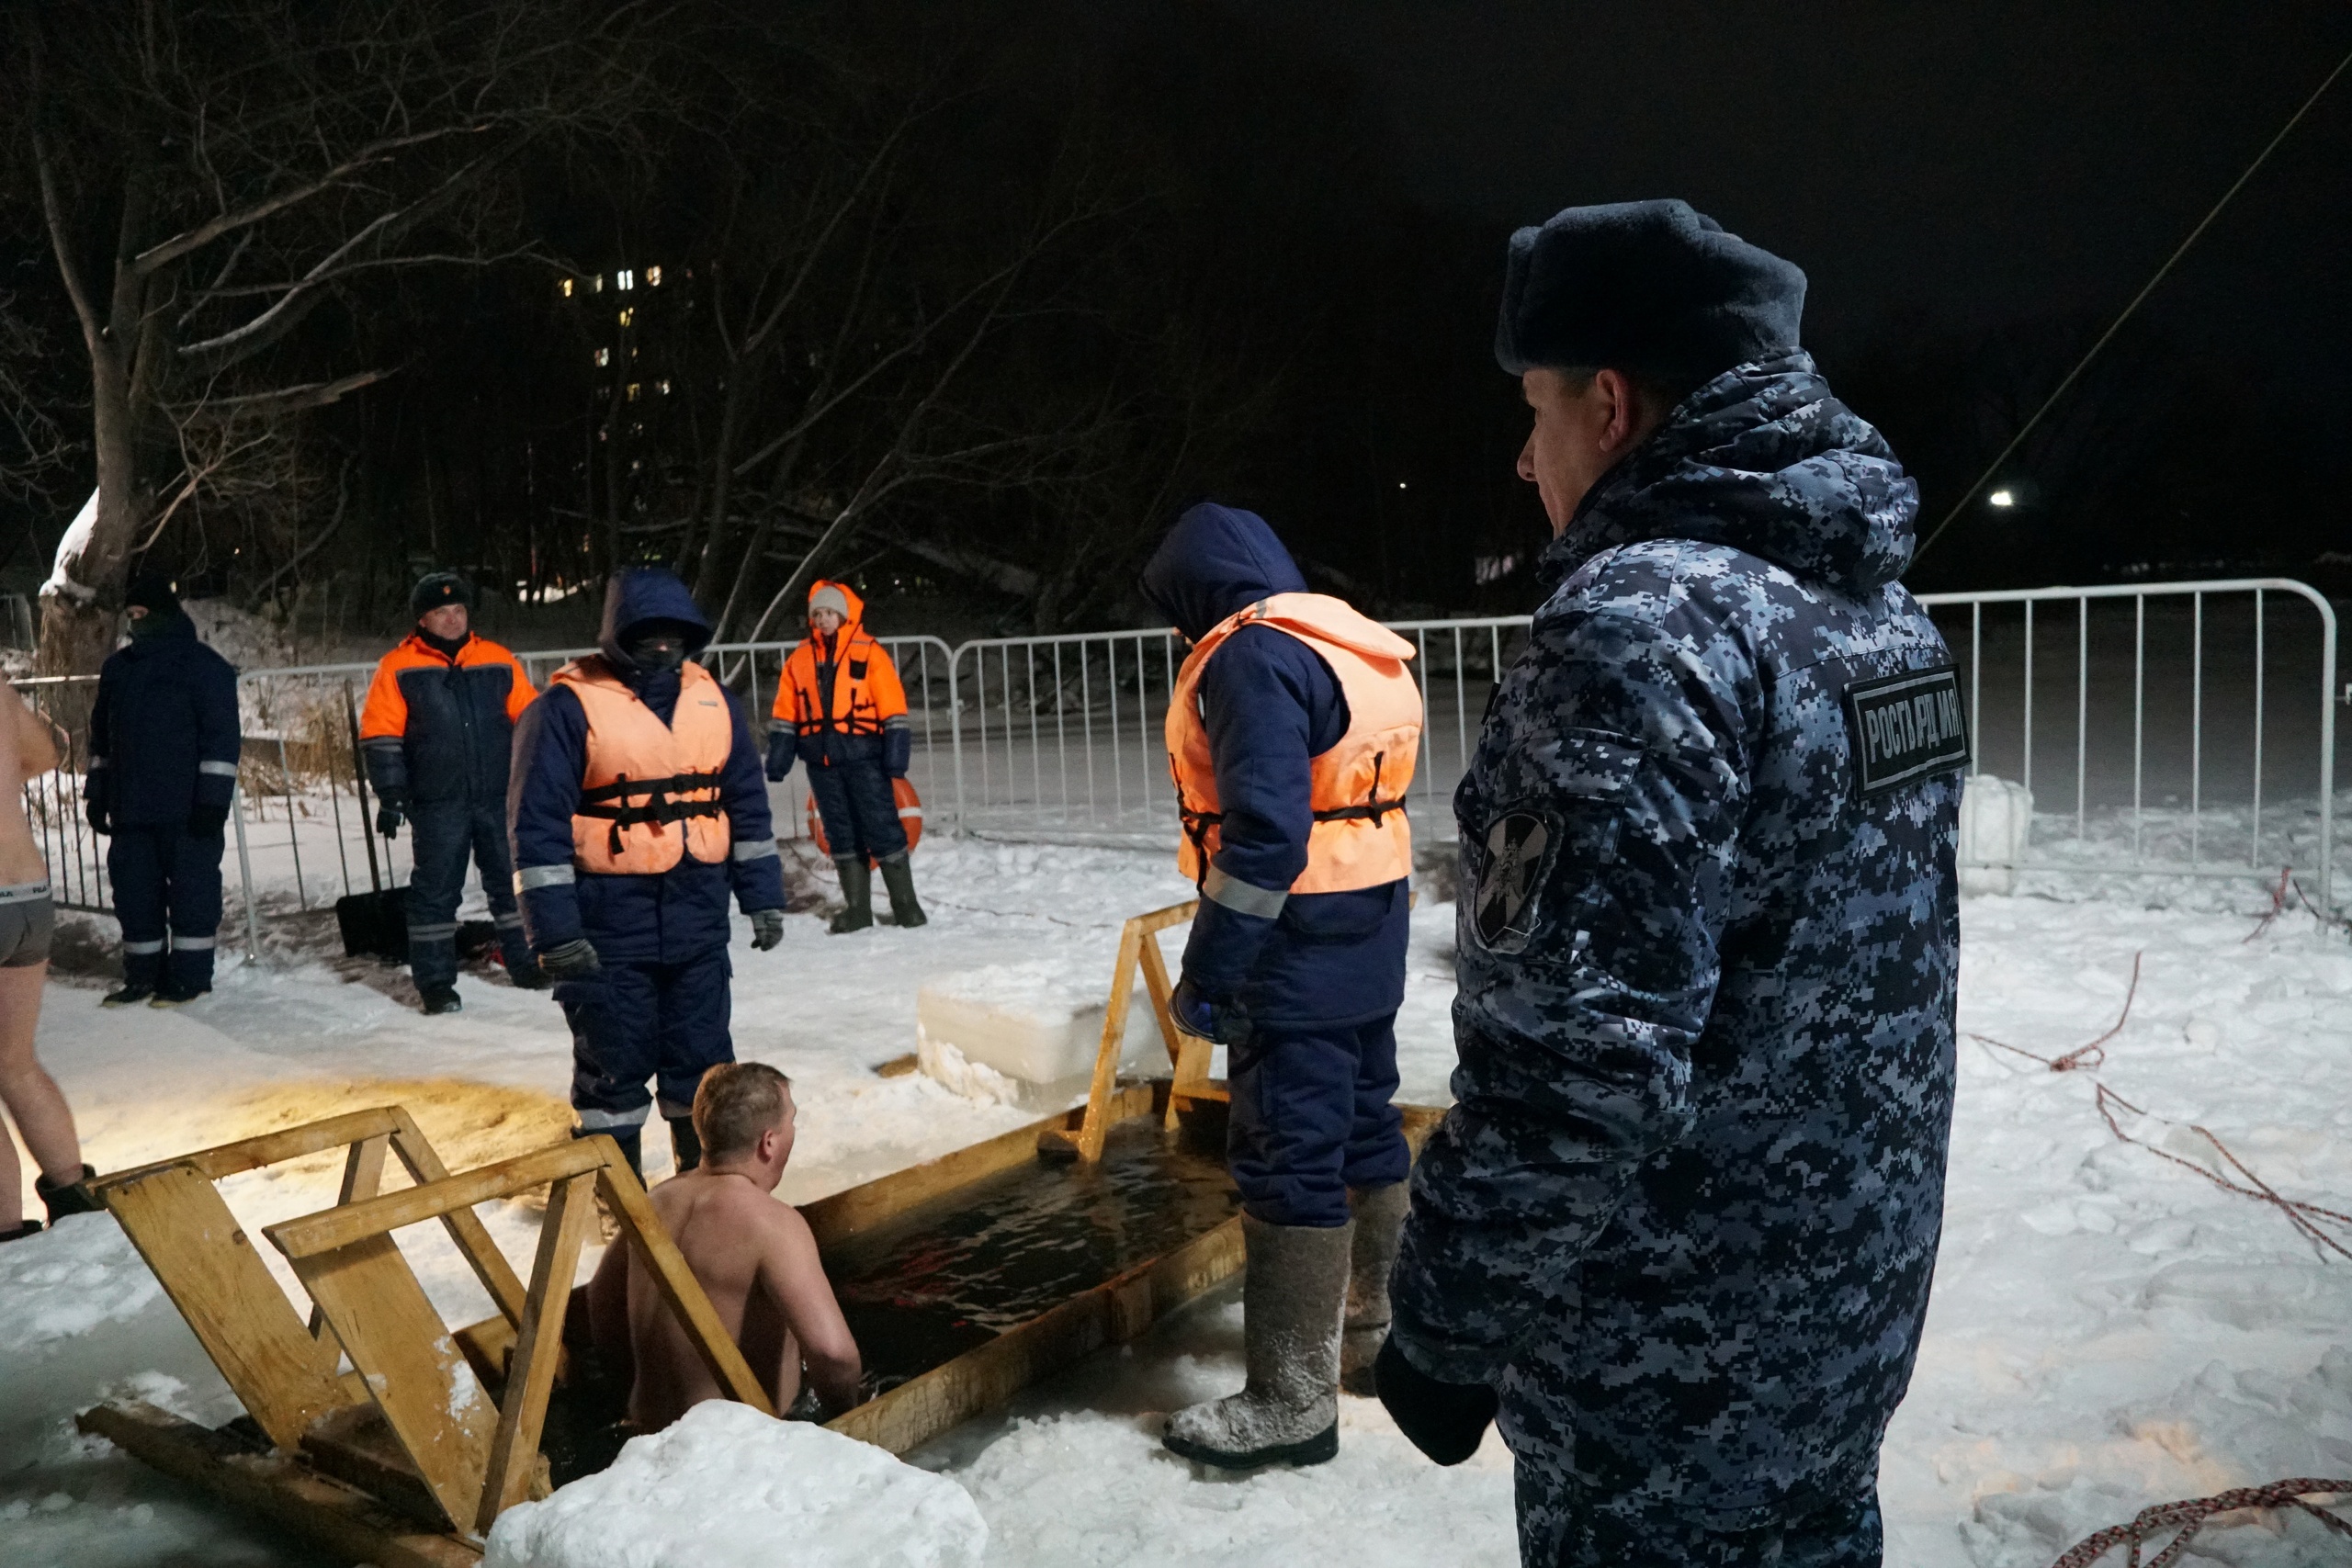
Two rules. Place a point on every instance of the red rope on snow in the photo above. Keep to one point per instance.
(2191, 1514)
(2090, 1056)
(2301, 1216)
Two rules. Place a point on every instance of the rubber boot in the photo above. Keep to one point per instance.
(128, 994)
(1380, 1224)
(64, 1198)
(899, 878)
(858, 896)
(1291, 1301)
(685, 1148)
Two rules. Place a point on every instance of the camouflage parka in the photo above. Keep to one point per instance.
(1684, 1212)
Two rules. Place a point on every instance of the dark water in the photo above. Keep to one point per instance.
(959, 1271)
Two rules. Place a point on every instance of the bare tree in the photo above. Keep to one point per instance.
(212, 173)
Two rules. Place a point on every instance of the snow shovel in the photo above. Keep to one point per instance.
(374, 924)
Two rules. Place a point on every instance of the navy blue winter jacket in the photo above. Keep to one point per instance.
(1271, 705)
(681, 912)
(164, 734)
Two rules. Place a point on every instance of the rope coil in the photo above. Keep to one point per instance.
(2191, 1515)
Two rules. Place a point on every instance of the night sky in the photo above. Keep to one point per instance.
(1963, 166)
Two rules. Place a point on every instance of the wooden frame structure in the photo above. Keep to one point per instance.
(1188, 1055)
(430, 1428)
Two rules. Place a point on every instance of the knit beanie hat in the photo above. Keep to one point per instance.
(825, 596)
(439, 588)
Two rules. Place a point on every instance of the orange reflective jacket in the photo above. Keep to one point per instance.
(1357, 788)
(387, 715)
(865, 694)
(649, 795)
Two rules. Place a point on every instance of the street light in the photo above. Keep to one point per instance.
(2001, 497)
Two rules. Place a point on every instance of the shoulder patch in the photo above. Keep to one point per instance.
(1518, 855)
(1906, 728)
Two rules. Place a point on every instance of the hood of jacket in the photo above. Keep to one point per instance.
(1217, 560)
(1765, 459)
(648, 593)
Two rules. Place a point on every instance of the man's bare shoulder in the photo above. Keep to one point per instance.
(739, 1201)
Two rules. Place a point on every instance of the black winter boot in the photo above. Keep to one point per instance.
(131, 993)
(64, 1198)
(630, 1139)
(899, 878)
(1291, 1300)
(858, 896)
(685, 1148)
(24, 1228)
(1380, 1224)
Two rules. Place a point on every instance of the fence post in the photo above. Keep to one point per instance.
(245, 876)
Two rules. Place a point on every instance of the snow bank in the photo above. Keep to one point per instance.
(728, 1485)
(1023, 1033)
(66, 1281)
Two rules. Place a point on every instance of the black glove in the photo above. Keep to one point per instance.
(897, 750)
(207, 822)
(96, 814)
(1225, 1021)
(1444, 1420)
(388, 820)
(767, 929)
(573, 960)
(782, 745)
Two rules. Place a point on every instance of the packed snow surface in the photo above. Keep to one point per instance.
(728, 1487)
(2110, 1328)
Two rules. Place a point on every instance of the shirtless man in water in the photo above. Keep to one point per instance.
(28, 749)
(756, 1258)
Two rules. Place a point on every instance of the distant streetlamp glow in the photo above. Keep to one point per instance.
(2001, 497)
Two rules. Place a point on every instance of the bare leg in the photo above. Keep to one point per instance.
(30, 1094)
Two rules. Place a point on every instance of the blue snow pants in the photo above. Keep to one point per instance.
(1311, 1117)
(635, 1019)
(860, 813)
(1561, 1525)
(448, 833)
(167, 882)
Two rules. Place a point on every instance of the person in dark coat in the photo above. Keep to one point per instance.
(636, 806)
(1301, 986)
(439, 732)
(164, 746)
(1680, 1224)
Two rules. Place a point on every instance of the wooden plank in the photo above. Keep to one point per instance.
(207, 1266)
(332, 1229)
(341, 1519)
(420, 1380)
(857, 1209)
(1162, 993)
(363, 1174)
(465, 1228)
(272, 1148)
(982, 1378)
(357, 1445)
(676, 1282)
(1138, 933)
(515, 1452)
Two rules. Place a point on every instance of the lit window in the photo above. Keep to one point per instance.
(663, 386)
(597, 283)
(603, 357)
(653, 277)
(628, 316)
(624, 279)
(566, 286)
(632, 391)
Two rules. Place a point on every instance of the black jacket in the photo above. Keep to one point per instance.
(163, 735)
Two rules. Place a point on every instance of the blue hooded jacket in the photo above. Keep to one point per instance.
(1685, 1208)
(1271, 705)
(682, 912)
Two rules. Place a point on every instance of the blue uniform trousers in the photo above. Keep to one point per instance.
(449, 833)
(636, 1019)
(166, 882)
(861, 816)
(1561, 1525)
(1311, 1117)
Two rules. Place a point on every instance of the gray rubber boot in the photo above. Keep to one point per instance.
(858, 896)
(1380, 1222)
(899, 878)
(1289, 1411)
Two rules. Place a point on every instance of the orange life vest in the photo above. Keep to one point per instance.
(866, 695)
(649, 795)
(1357, 788)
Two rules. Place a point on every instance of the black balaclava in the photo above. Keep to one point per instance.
(152, 592)
(656, 652)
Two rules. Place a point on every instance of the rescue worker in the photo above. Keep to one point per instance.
(839, 706)
(437, 732)
(636, 806)
(163, 747)
(1291, 734)
(1680, 1221)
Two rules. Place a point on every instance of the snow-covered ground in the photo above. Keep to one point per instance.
(2108, 1330)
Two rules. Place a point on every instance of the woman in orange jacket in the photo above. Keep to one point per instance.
(840, 708)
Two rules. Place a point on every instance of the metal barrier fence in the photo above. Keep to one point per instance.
(1060, 737)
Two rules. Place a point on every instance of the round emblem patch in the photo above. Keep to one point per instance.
(1504, 912)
